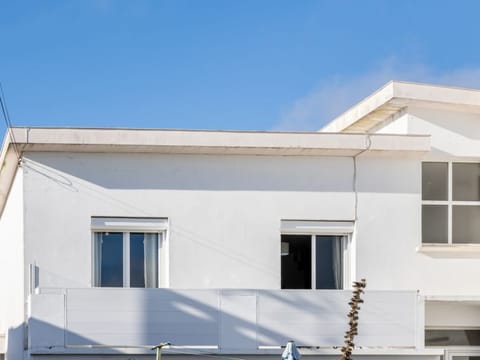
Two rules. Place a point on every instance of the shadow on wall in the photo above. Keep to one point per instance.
(226, 319)
(196, 172)
(225, 173)
(15, 343)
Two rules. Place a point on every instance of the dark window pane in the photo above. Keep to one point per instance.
(297, 262)
(328, 262)
(466, 181)
(111, 259)
(434, 181)
(452, 337)
(143, 260)
(434, 224)
(466, 224)
(137, 260)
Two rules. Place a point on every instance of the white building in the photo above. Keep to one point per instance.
(232, 243)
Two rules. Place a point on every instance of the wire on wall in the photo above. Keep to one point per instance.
(355, 171)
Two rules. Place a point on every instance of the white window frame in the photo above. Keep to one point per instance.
(126, 226)
(449, 202)
(342, 229)
(451, 352)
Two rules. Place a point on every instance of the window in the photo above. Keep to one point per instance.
(452, 337)
(315, 254)
(128, 252)
(450, 203)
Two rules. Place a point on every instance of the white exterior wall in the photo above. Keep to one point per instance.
(12, 299)
(224, 211)
(454, 136)
(389, 223)
(398, 124)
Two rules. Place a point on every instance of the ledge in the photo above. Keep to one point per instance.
(450, 250)
(176, 351)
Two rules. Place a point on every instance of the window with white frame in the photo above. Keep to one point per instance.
(315, 254)
(128, 252)
(451, 203)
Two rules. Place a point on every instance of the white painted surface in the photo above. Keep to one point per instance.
(397, 124)
(240, 320)
(225, 215)
(387, 319)
(452, 314)
(12, 300)
(46, 324)
(141, 317)
(454, 135)
(397, 95)
(224, 212)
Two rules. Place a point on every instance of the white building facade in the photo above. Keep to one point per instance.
(232, 243)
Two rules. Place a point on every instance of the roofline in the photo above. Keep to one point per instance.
(101, 140)
(381, 105)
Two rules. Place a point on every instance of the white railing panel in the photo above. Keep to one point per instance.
(240, 320)
(318, 318)
(139, 317)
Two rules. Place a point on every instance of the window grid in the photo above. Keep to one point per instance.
(450, 203)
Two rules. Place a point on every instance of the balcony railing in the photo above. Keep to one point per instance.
(228, 320)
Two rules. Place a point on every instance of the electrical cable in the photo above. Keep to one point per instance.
(8, 122)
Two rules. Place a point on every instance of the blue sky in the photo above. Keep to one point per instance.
(208, 64)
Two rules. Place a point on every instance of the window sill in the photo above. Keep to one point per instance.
(450, 250)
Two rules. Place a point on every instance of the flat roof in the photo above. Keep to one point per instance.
(102, 140)
(372, 111)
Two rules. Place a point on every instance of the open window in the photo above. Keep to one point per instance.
(129, 252)
(315, 254)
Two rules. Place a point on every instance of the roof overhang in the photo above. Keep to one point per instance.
(370, 113)
(194, 142)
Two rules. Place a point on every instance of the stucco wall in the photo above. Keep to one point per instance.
(454, 134)
(397, 124)
(12, 271)
(224, 211)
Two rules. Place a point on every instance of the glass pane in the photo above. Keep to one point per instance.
(434, 181)
(452, 337)
(466, 224)
(111, 259)
(297, 263)
(143, 260)
(329, 256)
(466, 181)
(434, 224)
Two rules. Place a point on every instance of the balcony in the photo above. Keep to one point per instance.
(224, 321)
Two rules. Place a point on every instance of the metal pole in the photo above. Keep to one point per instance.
(159, 349)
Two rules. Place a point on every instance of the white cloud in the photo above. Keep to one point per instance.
(335, 95)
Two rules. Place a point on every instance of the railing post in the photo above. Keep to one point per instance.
(420, 322)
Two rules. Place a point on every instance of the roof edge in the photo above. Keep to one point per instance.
(193, 142)
(396, 95)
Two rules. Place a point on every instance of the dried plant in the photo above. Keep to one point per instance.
(348, 347)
